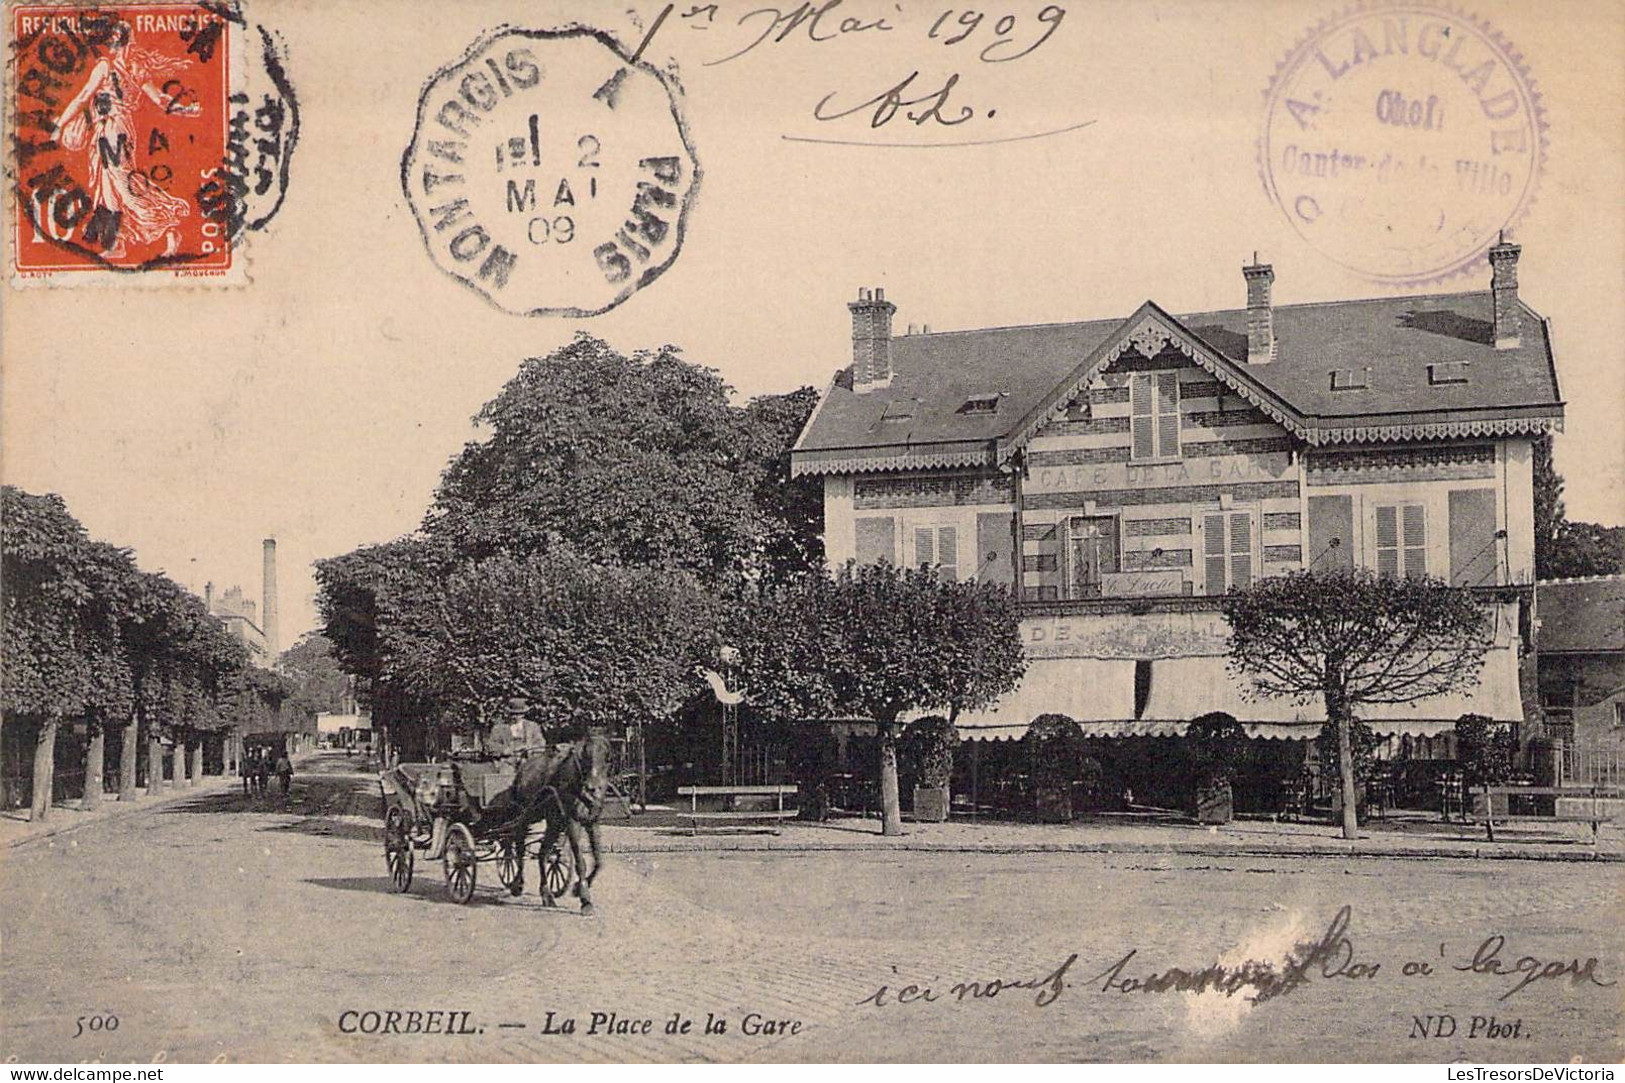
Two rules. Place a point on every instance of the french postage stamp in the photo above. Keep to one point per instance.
(551, 171)
(1400, 140)
(146, 139)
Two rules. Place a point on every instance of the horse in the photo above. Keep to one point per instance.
(567, 788)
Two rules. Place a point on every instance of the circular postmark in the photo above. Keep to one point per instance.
(550, 171)
(1400, 140)
(145, 136)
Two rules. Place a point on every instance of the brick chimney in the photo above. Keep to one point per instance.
(871, 339)
(1260, 314)
(1504, 293)
(269, 572)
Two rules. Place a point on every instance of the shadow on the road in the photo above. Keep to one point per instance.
(430, 890)
(330, 829)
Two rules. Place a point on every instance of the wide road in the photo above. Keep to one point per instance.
(264, 929)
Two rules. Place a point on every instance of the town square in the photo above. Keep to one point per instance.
(853, 533)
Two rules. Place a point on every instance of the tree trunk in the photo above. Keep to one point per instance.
(891, 813)
(44, 769)
(197, 763)
(155, 765)
(95, 764)
(1337, 711)
(126, 766)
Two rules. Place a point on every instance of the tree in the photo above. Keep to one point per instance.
(1349, 637)
(318, 684)
(882, 642)
(629, 460)
(64, 598)
(1487, 750)
(1565, 549)
(587, 644)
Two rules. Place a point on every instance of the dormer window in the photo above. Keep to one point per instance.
(980, 404)
(1447, 372)
(898, 410)
(1350, 379)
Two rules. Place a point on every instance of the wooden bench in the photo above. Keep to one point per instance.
(773, 815)
(1489, 817)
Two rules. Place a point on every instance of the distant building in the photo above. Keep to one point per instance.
(1580, 640)
(241, 618)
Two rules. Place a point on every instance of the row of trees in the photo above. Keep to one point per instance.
(618, 522)
(89, 635)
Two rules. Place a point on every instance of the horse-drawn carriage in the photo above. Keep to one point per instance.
(469, 811)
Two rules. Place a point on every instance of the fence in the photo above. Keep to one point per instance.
(1583, 766)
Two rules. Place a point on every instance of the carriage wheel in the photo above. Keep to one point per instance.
(558, 871)
(510, 868)
(461, 862)
(398, 850)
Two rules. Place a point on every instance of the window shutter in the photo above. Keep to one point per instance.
(1387, 539)
(1144, 421)
(1241, 549)
(1331, 517)
(1474, 555)
(1213, 553)
(924, 547)
(876, 539)
(1168, 415)
(1416, 552)
(948, 552)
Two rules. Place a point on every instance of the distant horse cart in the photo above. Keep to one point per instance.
(479, 809)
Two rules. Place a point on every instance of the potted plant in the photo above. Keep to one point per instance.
(1487, 752)
(1363, 749)
(1054, 756)
(928, 747)
(1217, 743)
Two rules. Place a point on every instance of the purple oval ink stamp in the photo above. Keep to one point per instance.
(1401, 139)
(551, 171)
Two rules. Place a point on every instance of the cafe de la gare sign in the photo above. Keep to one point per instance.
(1086, 479)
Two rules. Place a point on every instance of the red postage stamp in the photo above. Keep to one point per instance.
(138, 144)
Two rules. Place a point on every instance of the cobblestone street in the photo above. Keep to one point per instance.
(222, 926)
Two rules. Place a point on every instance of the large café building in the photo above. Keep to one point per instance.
(1122, 474)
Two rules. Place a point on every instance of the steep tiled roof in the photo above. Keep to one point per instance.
(922, 411)
(1581, 614)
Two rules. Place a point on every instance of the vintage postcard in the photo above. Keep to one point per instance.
(844, 531)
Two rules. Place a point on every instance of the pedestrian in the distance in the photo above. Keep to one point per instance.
(284, 771)
(245, 768)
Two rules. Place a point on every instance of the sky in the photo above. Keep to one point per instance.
(319, 401)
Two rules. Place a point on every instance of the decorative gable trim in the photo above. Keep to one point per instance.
(1436, 430)
(1148, 332)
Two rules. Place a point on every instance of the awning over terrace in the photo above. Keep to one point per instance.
(1099, 694)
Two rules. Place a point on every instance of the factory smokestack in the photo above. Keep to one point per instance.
(272, 646)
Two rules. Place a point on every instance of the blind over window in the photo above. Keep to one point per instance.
(876, 539)
(1474, 555)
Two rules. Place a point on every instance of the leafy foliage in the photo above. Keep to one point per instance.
(927, 748)
(1362, 747)
(1565, 549)
(319, 685)
(86, 634)
(1370, 639)
(632, 460)
(1055, 750)
(876, 641)
(1349, 637)
(1486, 750)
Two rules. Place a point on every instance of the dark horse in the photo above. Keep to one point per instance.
(566, 788)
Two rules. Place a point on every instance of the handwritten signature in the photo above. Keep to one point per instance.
(969, 35)
(1332, 956)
